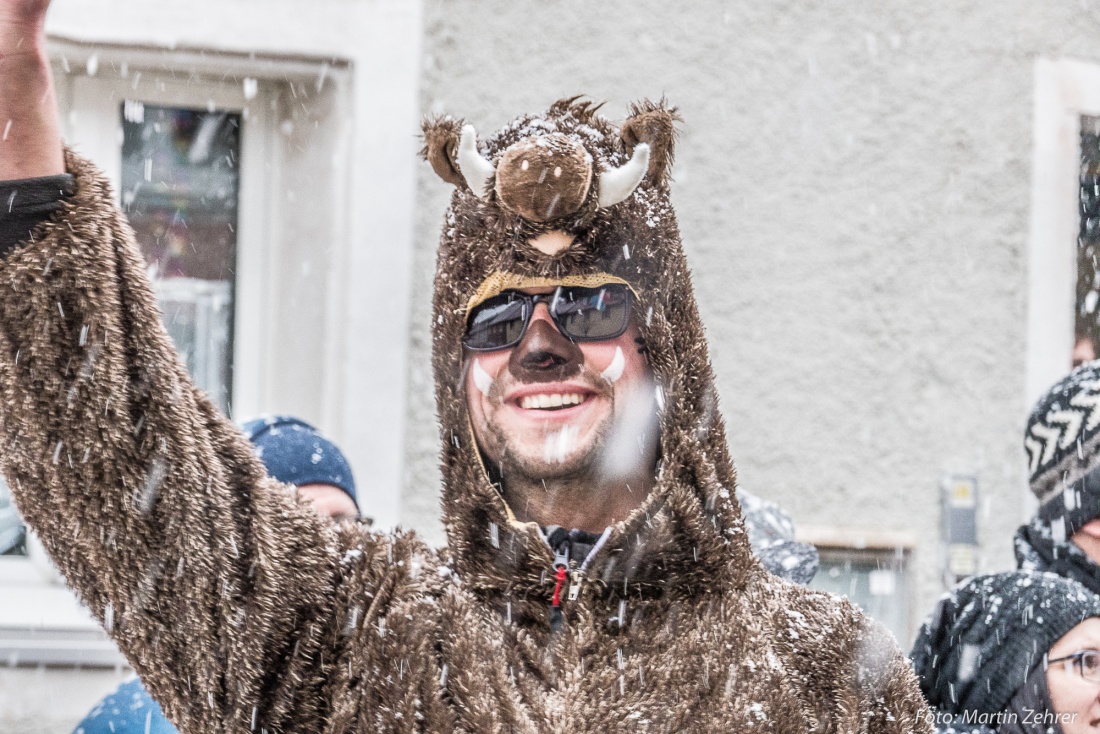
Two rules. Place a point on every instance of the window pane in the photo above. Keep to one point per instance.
(180, 183)
(11, 528)
(876, 581)
(1087, 317)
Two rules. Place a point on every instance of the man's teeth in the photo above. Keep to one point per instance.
(555, 400)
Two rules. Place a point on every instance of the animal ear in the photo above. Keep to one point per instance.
(441, 136)
(653, 123)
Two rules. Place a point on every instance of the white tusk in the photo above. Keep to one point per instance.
(615, 370)
(618, 183)
(475, 169)
(482, 380)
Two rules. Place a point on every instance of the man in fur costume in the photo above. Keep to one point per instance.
(242, 610)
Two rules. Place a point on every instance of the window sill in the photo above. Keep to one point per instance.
(43, 623)
(833, 536)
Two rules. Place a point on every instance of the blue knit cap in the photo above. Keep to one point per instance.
(294, 452)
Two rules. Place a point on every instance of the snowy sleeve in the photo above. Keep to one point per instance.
(772, 538)
(216, 583)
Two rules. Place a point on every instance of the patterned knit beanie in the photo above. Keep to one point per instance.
(294, 452)
(986, 635)
(1062, 440)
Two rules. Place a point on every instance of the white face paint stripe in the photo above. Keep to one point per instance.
(560, 444)
(482, 380)
(615, 370)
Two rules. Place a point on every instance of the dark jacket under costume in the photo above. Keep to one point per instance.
(242, 610)
(1036, 550)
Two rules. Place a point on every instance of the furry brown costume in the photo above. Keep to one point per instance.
(243, 611)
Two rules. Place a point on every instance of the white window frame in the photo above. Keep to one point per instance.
(364, 402)
(41, 621)
(1065, 90)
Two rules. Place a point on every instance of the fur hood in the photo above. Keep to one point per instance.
(688, 537)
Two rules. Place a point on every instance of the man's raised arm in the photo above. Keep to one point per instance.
(31, 140)
(223, 591)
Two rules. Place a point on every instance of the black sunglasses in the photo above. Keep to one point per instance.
(581, 314)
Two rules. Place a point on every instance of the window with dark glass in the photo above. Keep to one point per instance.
(875, 580)
(180, 184)
(1087, 317)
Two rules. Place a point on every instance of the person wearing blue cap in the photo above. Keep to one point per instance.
(293, 452)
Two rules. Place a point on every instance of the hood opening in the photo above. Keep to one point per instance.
(688, 532)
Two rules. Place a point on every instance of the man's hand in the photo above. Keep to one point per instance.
(30, 137)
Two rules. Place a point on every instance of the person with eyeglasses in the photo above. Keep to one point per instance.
(1012, 653)
(598, 575)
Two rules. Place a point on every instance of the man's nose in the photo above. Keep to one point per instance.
(544, 354)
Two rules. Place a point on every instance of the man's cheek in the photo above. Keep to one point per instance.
(482, 380)
(615, 367)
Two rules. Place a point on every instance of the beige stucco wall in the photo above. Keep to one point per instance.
(853, 188)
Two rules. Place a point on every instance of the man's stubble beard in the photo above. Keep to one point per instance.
(520, 468)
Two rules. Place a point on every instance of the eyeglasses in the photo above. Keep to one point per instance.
(581, 314)
(1086, 662)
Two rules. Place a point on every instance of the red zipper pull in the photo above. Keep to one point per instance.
(559, 581)
(555, 602)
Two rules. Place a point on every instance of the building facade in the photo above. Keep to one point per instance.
(880, 203)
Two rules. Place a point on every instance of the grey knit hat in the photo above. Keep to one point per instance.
(1062, 441)
(989, 633)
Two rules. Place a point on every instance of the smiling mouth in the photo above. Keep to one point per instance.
(551, 401)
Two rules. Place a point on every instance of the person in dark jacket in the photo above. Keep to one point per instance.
(1062, 440)
(294, 453)
(1012, 653)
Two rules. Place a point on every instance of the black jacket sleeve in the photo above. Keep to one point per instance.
(27, 202)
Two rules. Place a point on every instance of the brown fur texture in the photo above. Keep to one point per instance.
(653, 123)
(544, 178)
(243, 611)
(440, 148)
